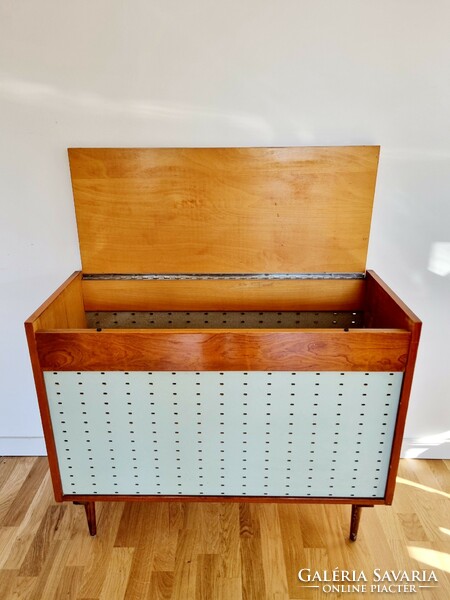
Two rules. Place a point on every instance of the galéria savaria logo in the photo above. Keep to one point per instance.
(358, 582)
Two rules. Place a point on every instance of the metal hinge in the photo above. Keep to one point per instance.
(218, 276)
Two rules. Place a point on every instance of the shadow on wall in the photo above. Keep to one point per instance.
(52, 97)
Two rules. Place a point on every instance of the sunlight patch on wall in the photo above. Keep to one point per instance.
(423, 444)
(439, 261)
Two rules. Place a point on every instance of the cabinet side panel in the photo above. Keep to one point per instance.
(385, 309)
(63, 309)
(46, 418)
(276, 434)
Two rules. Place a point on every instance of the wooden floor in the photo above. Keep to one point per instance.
(216, 551)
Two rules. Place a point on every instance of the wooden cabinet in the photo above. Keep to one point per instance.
(224, 340)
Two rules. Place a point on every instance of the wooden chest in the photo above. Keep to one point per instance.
(224, 340)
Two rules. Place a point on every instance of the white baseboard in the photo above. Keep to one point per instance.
(22, 446)
(433, 447)
(411, 448)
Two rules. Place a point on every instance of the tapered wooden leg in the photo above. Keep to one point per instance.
(89, 508)
(354, 521)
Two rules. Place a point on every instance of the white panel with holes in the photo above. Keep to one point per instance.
(233, 433)
(224, 319)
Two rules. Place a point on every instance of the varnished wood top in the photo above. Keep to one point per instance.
(223, 350)
(224, 210)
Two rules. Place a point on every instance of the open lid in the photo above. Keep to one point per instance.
(223, 210)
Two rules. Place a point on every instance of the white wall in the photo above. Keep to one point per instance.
(202, 73)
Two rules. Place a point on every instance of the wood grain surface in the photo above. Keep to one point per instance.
(217, 350)
(224, 295)
(223, 210)
(62, 309)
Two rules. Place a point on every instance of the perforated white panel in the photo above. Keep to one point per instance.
(224, 319)
(233, 433)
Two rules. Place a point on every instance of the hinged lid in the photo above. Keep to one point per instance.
(224, 210)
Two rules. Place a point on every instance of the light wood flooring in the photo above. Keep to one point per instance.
(215, 551)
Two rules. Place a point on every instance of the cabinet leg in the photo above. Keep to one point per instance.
(354, 521)
(89, 508)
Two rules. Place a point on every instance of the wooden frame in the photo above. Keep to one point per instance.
(57, 332)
